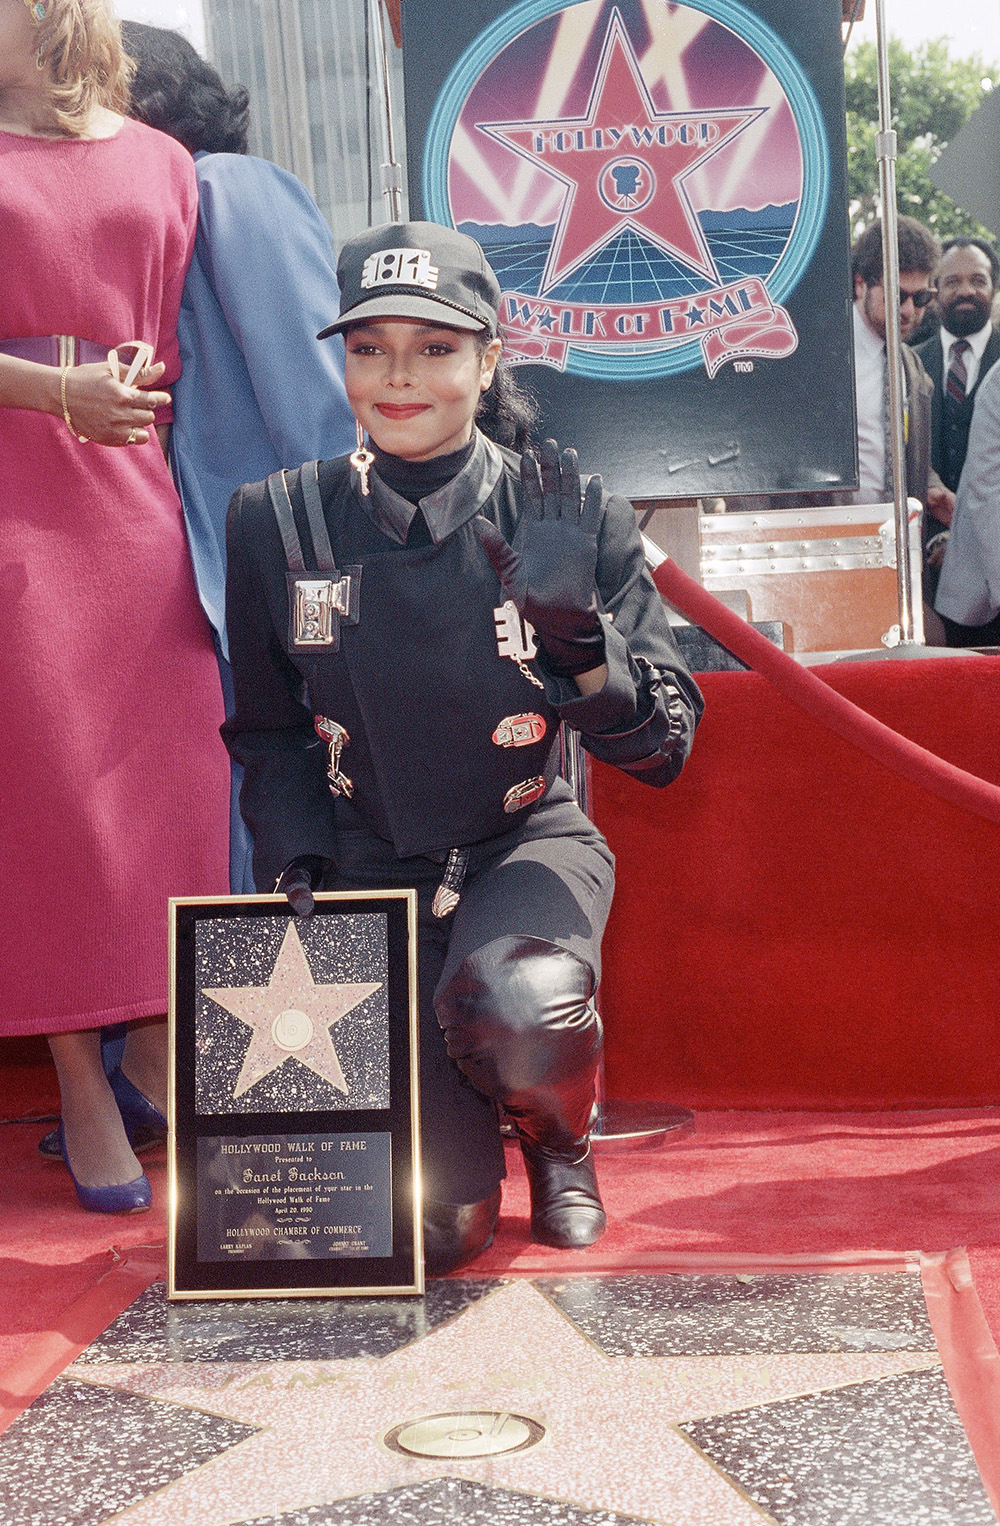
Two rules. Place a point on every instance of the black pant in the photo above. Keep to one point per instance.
(510, 974)
(972, 635)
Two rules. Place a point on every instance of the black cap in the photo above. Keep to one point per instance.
(416, 270)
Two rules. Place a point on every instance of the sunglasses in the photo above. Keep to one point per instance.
(918, 298)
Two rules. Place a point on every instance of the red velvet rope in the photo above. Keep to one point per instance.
(805, 689)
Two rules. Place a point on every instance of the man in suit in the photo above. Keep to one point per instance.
(968, 596)
(957, 359)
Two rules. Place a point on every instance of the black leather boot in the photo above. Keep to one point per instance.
(519, 1021)
(456, 1233)
(566, 1207)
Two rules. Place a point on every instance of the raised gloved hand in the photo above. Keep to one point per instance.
(550, 570)
(299, 879)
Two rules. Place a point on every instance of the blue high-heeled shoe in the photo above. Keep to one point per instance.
(127, 1197)
(134, 1106)
(145, 1125)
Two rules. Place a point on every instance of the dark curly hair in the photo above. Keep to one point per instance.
(918, 250)
(175, 90)
(507, 413)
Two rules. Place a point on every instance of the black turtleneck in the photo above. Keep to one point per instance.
(421, 503)
(414, 480)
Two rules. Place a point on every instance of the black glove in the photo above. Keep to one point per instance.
(299, 879)
(550, 571)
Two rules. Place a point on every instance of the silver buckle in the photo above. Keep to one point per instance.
(317, 602)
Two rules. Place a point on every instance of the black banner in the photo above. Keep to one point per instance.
(661, 189)
(294, 1197)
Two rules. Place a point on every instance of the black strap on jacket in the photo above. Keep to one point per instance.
(317, 600)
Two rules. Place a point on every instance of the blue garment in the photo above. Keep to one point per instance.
(257, 390)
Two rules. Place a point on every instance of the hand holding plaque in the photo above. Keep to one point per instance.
(299, 879)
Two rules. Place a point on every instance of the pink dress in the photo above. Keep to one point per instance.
(114, 783)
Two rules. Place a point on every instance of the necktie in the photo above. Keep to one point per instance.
(957, 374)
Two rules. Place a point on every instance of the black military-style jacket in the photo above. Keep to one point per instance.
(450, 721)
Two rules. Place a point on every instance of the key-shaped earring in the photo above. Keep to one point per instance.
(362, 459)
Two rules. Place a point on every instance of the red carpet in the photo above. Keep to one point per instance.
(108, 1285)
(784, 1184)
(794, 925)
(793, 1184)
(52, 1250)
(751, 1184)
(744, 1184)
(52, 1253)
(28, 1083)
(756, 1190)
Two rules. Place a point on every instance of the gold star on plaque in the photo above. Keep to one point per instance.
(291, 1016)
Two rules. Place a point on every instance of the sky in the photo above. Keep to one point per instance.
(971, 26)
(182, 15)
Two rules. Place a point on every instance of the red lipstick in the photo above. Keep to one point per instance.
(401, 410)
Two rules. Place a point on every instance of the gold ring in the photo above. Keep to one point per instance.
(131, 437)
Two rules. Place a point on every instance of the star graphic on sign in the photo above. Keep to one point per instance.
(624, 164)
(291, 1016)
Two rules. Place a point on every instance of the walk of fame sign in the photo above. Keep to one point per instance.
(294, 1143)
(660, 187)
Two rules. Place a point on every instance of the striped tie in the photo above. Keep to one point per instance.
(957, 374)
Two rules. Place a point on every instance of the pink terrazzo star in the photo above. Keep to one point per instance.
(612, 1439)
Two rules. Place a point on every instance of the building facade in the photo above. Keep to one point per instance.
(316, 109)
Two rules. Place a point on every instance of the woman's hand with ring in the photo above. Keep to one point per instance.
(106, 411)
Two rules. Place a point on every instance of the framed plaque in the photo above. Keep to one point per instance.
(294, 1158)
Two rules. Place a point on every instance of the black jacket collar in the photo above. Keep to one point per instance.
(445, 510)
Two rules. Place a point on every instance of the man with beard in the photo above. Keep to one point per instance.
(956, 360)
(918, 258)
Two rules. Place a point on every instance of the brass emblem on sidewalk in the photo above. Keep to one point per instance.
(465, 1433)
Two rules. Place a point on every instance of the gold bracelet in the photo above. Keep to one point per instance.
(83, 438)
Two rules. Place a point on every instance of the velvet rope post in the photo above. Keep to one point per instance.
(805, 689)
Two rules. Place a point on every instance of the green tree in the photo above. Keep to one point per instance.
(932, 95)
